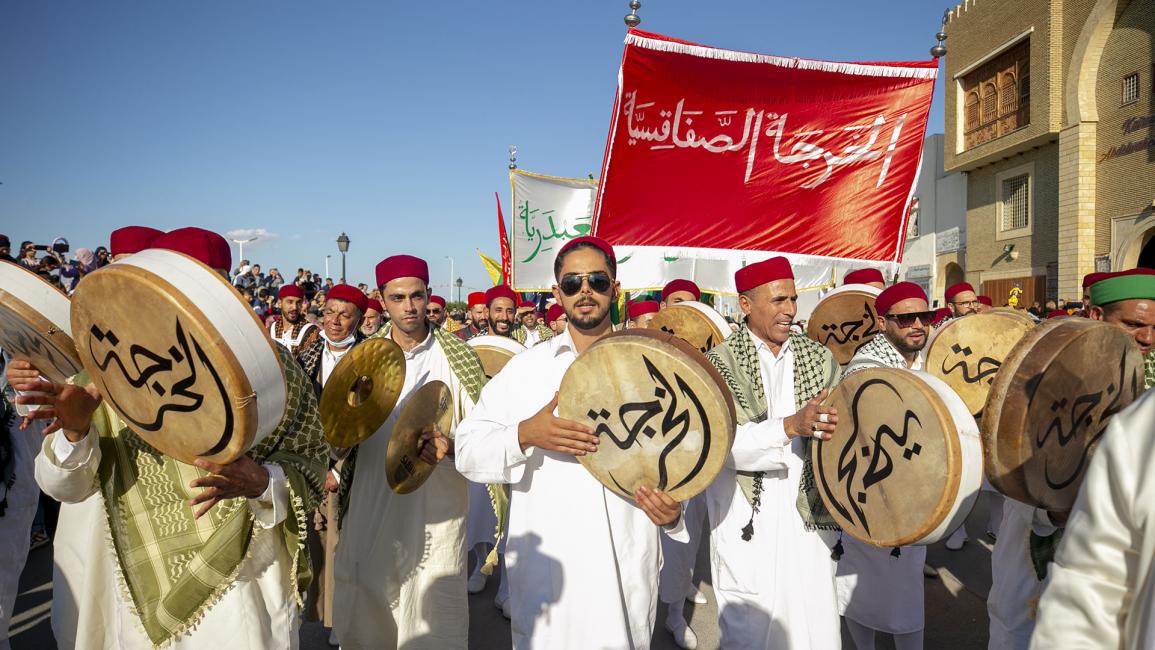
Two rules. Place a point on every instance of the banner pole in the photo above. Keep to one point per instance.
(633, 19)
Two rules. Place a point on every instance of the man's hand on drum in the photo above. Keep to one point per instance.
(434, 447)
(658, 506)
(65, 406)
(241, 478)
(547, 431)
(814, 420)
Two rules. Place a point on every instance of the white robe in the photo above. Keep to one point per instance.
(875, 588)
(89, 607)
(1015, 588)
(1100, 591)
(775, 590)
(400, 572)
(583, 562)
(16, 523)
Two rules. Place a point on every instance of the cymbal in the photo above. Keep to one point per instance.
(428, 409)
(362, 391)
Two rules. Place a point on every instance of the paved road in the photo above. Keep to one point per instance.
(955, 603)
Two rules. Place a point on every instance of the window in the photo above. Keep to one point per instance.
(997, 96)
(1013, 201)
(1131, 88)
(1016, 200)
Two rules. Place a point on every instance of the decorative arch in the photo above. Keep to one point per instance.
(1083, 73)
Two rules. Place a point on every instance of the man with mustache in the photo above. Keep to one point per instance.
(478, 323)
(582, 574)
(193, 548)
(291, 329)
(877, 590)
(770, 532)
(373, 319)
(500, 304)
(532, 330)
(435, 311)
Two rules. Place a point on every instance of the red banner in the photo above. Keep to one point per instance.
(731, 151)
(503, 240)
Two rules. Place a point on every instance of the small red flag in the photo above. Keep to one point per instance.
(503, 240)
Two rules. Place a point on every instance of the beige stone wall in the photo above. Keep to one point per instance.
(1125, 185)
(975, 29)
(984, 253)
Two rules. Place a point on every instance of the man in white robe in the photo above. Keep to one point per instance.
(881, 589)
(400, 571)
(770, 536)
(212, 550)
(583, 562)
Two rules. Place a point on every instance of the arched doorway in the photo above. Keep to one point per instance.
(1147, 255)
(954, 274)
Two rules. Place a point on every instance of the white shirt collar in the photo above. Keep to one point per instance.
(420, 348)
(562, 342)
(762, 345)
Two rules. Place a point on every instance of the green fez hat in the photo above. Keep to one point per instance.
(1125, 285)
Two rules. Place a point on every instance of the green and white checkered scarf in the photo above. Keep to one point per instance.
(878, 353)
(465, 364)
(736, 359)
(1149, 369)
(543, 333)
(173, 567)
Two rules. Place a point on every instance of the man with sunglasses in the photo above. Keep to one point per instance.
(477, 323)
(532, 330)
(583, 562)
(435, 311)
(877, 590)
(770, 534)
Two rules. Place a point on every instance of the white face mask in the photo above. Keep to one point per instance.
(343, 343)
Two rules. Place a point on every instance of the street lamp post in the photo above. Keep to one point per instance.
(343, 246)
(241, 244)
(327, 265)
(459, 283)
(451, 273)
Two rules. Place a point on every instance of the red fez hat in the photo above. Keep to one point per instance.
(500, 291)
(1057, 313)
(675, 286)
(402, 266)
(758, 274)
(290, 291)
(596, 242)
(897, 293)
(348, 294)
(476, 298)
(986, 300)
(525, 304)
(1092, 278)
(940, 314)
(955, 289)
(132, 239)
(206, 246)
(643, 307)
(863, 276)
(554, 312)
(438, 299)
(375, 305)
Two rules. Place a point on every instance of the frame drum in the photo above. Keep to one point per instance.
(694, 322)
(844, 320)
(1050, 404)
(179, 356)
(494, 352)
(665, 418)
(34, 324)
(967, 352)
(905, 464)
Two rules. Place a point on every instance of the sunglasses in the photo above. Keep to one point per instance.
(907, 320)
(599, 281)
(432, 311)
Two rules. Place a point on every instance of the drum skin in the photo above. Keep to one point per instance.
(494, 352)
(664, 416)
(1050, 405)
(844, 320)
(904, 465)
(179, 356)
(967, 352)
(35, 325)
(694, 322)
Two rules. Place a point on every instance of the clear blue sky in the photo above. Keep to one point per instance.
(387, 120)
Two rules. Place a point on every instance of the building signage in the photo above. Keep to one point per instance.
(947, 241)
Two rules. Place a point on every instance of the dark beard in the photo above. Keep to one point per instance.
(593, 321)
